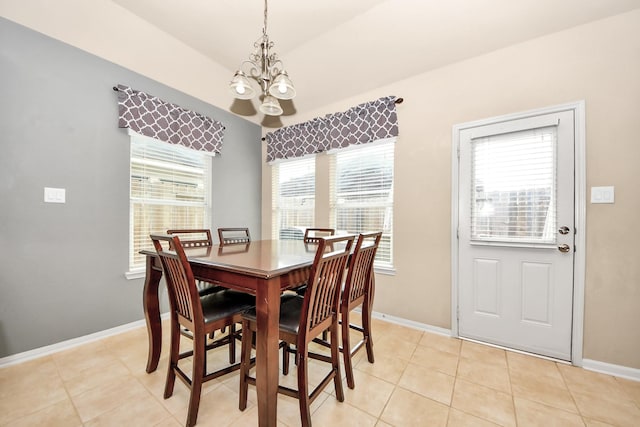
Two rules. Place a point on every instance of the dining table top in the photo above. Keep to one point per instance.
(259, 258)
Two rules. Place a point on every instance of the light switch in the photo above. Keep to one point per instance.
(602, 194)
(54, 195)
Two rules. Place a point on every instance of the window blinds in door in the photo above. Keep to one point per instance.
(513, 178)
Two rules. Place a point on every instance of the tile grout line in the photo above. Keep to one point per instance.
(67, 392)
(513, 397)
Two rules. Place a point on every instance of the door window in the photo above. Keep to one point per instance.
(513, 187)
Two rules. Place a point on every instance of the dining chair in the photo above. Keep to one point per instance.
(313, 235)
(197, 238)
(199, 314)
(234, 235)
(358, 292)
(201, 238)
(301, 320)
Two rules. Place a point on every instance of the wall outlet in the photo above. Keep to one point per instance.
(54, 195)
(602, 194)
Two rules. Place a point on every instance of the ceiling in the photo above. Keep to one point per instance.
(334, 49)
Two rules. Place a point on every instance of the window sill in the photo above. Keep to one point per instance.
(134, 274)
(387, 271)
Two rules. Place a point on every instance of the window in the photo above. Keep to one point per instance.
(514, 187)
(362, 194)
(170, 187)
(293, 198)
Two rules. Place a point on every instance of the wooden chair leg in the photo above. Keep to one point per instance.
(303, 387)
(174, 352)
(196, 380)
(245, 363)
(204, 363)
(346, 350)
(285, 358)
(232, 344)
(335, 362)
(366, 325)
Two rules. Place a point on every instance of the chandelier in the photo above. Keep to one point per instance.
(267, 70)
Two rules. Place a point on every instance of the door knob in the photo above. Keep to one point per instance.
(564, 248)
(564, 230)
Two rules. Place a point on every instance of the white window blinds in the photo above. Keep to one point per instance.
(513, 178)
(293, 197)
(170, 187)
(362, 194)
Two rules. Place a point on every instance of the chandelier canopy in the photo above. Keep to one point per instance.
(264, 67)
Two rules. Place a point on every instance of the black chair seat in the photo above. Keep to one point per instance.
(205, 288)
(224, 303)
(290, 309)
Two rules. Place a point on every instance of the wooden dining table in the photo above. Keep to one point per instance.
(264, 268)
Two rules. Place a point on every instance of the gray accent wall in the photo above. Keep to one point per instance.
(62, 265)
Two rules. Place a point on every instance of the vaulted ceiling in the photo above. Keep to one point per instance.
(334, 49)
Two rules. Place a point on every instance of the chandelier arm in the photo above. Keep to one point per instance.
(275, 66)
(250, 69)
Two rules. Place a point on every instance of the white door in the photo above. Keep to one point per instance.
(516, 233)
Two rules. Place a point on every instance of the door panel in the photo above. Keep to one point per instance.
(536, 301)
(515, 286)
(485, 287)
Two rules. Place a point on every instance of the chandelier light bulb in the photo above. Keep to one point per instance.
(240, 86)
(282, 87)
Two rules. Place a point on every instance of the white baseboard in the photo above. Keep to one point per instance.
(591, 365)
(412, 324)
(74, 342)
(610, 369)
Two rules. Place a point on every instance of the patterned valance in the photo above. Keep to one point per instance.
(361, 124)
(155, 118)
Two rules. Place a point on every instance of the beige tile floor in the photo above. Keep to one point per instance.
(418, 379)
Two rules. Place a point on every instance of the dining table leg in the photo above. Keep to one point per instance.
(267, 317)
(151, 306)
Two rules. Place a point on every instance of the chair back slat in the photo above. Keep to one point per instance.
(183, 293)
(193, 238)
(360, 269)
(322, 297)
(314, 235)
(176, 276)
(234, 235)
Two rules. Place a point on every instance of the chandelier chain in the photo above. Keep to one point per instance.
(264, 29)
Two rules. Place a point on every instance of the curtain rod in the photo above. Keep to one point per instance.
(397, 101)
